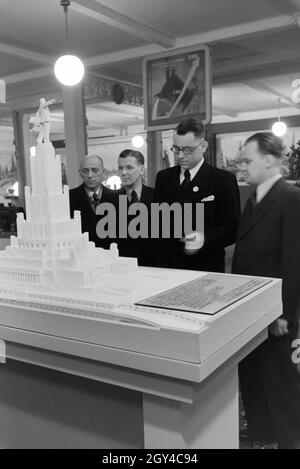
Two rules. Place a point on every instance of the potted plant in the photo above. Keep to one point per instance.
(293, 163)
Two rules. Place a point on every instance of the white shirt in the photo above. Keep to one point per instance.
(193, 171)
(91, 193)
(263, 188)
(195, 240)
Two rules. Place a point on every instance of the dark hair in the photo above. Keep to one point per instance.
(190, 125)
(134, 153)
(267, 143)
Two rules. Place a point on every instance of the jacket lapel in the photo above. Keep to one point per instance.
(105, 194)
(201, 182)
(250, 218)
(87, 207)
(85, 201)
(176, 191)
(143, 198)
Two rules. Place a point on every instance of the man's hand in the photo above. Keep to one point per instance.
(193, 242)
(279, 327)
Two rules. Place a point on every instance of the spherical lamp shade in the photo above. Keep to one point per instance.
(69, 70)
(279, 128)
(137, 141)
(114, 182)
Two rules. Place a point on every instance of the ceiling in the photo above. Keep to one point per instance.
(254, 46)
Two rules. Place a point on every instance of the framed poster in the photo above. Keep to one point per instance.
(177, 84)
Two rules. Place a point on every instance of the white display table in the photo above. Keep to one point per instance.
(148, 378)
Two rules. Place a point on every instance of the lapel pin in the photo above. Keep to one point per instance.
(195, 189)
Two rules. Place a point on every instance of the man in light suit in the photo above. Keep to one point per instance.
(89, 195)
(194, 180)
(131, 166)
(268, 245)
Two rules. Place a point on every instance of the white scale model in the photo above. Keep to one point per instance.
(69, 306)
(50, 252)
(70, 288)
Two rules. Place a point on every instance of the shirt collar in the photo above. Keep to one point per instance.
(98, 192)
(193, 171)
(263, 188)
(138, 191)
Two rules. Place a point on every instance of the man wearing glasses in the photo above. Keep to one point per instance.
(194, 181)
(89, 195)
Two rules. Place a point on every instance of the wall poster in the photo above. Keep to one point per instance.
(177, 85)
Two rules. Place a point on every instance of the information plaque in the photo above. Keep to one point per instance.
(208, 294)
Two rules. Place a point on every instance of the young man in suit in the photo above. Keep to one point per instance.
(268, 245)
(131, 166)
(193, 180)
(89, 195)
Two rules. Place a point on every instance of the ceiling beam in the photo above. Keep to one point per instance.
(25, 53)
(241, 30)
(258, 63)
(272, 70)
(274, 67)
(106, 15)
(26, 76)
(116, 80)
(122, 55)
(224, 34)
(104, 59)
(217, 110)
(263, 87)
(134, 112)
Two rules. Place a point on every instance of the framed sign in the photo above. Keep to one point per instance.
(177, 84)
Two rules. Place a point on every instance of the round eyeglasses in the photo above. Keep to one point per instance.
(185, 150)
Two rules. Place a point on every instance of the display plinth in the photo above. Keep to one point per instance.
(178, 371)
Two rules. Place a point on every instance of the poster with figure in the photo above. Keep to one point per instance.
(176, 84)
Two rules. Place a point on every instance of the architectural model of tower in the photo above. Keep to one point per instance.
(50, 252)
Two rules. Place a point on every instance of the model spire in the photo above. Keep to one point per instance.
(43, 119)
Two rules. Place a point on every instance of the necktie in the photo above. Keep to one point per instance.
(95, 201)
(185, 183)
(134, 197)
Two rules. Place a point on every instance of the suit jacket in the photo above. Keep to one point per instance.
(140, 247)
(221, 216)
(268, 243)
(79, 200)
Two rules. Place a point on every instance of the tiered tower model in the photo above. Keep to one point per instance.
(50, 251)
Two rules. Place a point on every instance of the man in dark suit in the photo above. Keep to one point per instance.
(269, 245)
(131, 167)
(89, 195)
(194, 180)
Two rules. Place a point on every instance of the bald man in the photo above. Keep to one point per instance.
(89, 195)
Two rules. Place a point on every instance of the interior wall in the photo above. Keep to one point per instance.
(110, 148)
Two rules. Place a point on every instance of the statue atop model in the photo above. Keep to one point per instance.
(43, 120)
